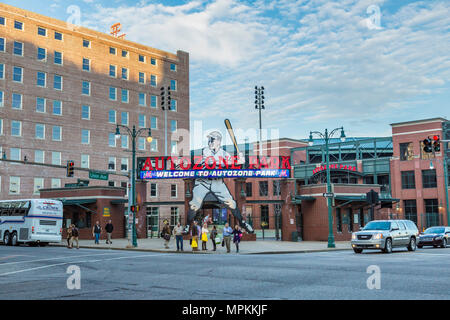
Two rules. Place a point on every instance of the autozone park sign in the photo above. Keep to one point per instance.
(335, 167)
(210, 167)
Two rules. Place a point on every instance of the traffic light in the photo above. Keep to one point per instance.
(70, 168)
(162, 98)
(427, 145)
(133, 209)
(436, 143)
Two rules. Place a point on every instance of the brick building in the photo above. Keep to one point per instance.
(64, 89)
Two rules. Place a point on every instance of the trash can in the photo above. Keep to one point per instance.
(294, 236)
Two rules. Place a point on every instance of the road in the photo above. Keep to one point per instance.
(41, 273)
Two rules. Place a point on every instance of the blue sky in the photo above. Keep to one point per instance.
(323, 64)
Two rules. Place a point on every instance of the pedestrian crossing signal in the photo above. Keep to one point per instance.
(70, 168)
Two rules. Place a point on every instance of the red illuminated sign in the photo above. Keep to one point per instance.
(336, 167)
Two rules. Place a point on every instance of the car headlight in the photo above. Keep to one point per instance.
(378, 236)
(353, 236)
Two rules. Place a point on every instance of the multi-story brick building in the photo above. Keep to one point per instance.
(64, 89)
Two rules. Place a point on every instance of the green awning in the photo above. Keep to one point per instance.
(298, 199)
(362, 198)
(119, 201)
(74, 202)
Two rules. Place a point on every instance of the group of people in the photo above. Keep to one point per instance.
(73, 233)
(201, 234)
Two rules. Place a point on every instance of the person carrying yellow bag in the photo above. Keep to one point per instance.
(205, 232)
(194, 233)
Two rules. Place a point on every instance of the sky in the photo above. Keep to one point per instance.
(323, 64)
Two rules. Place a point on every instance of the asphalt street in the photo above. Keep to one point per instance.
(41, 273)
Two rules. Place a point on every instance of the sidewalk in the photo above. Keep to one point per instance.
(245, 247)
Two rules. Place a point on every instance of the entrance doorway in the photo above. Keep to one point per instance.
(152, 222)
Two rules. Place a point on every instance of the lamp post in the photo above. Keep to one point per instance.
(165, 106)
(327, 136)
(259, 104)
(133, 134)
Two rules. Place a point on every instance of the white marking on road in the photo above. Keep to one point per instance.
(57, 258)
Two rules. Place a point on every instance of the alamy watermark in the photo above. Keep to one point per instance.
(74, 280)
(374, 20)
(374, 280)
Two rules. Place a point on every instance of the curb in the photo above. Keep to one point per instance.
(203, 252)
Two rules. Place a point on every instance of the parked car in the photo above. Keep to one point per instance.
(385, 235)
(434, 236)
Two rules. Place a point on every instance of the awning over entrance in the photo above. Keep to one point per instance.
(362, 198)
(72, 202)
(119, 201)
(297, 199)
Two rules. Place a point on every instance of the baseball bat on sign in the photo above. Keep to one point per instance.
(231, 132)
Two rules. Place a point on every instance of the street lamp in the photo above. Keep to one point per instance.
(132, 202)
(165, 106)
(327, 136)
(259, 104)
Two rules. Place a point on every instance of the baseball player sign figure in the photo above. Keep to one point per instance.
(216, 186)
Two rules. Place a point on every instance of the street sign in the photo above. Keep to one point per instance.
(98, 175)
(328, 195)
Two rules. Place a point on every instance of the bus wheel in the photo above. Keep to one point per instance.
(43, 244)
(14, 241)
(6, 238)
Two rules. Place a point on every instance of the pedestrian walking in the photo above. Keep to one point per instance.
(74, 237)
(166, 233)
(109, 229)
(96, 231)
(178, 232)
(205, 232)
(227, 232)
(69, 235)
(194, 233)
(213, 237)
(237, 235)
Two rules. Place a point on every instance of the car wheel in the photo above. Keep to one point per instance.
(357, 250)
(388, 246)
(435, 245)
(6, 239)
(412, 244)
(444, 243)
(13, 240)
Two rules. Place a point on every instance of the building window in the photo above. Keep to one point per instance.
(16, 101)
(154, 145)
(85, 112)
(38, 184)
(2, 71)
(40, 104)
(153, 101)
(86, 64)
(15, 154)
(112, 71)
(112, 116)
(86, 88)
(338, 220)
(124, 73)
(142, 101)
(57, 107)
(153, 123)
(173, 105)
(142, 120)
(57, 82)
(408, 180)
(410, 207)
(141, 143)
(431, 206)
(429, 178)
(406, 151)
(124, 120)
(1, 99)
(124, 141)
(173, 85)
(58, 36)
(14, 185)
(41, 54)
(350, 219)
(112, 93)
(56, 183)
(173, 147)
(153, 61)
(153, 80)
(112, 50)
(85, 161)
(173, 67)
(42, 31)
(249, 189)
(58, 59)
(265, 216)
(124, 53)
(276, 188)
(18, 25)
(124, 95)
(16, 128)
(173, 125)
(153, 190)
(39, 156)
(263, 188)
(142, 77)
(41, 79)
(85, 136)
(56, 157)
(2, 21)
(2, 44)
(86, 43)
(111, 139)
(56, 133)
(18, 48)
(17, 74)
(173, 190)
(174, 216)
(112, 163)
(124, 165)
(141, 58)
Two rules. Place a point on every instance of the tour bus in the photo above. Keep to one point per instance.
(32, 221)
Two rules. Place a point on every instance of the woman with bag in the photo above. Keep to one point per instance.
(166, 232)
(205, 232)
(69, 235)
(194, 234)
(237, 235)
(213, 237)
